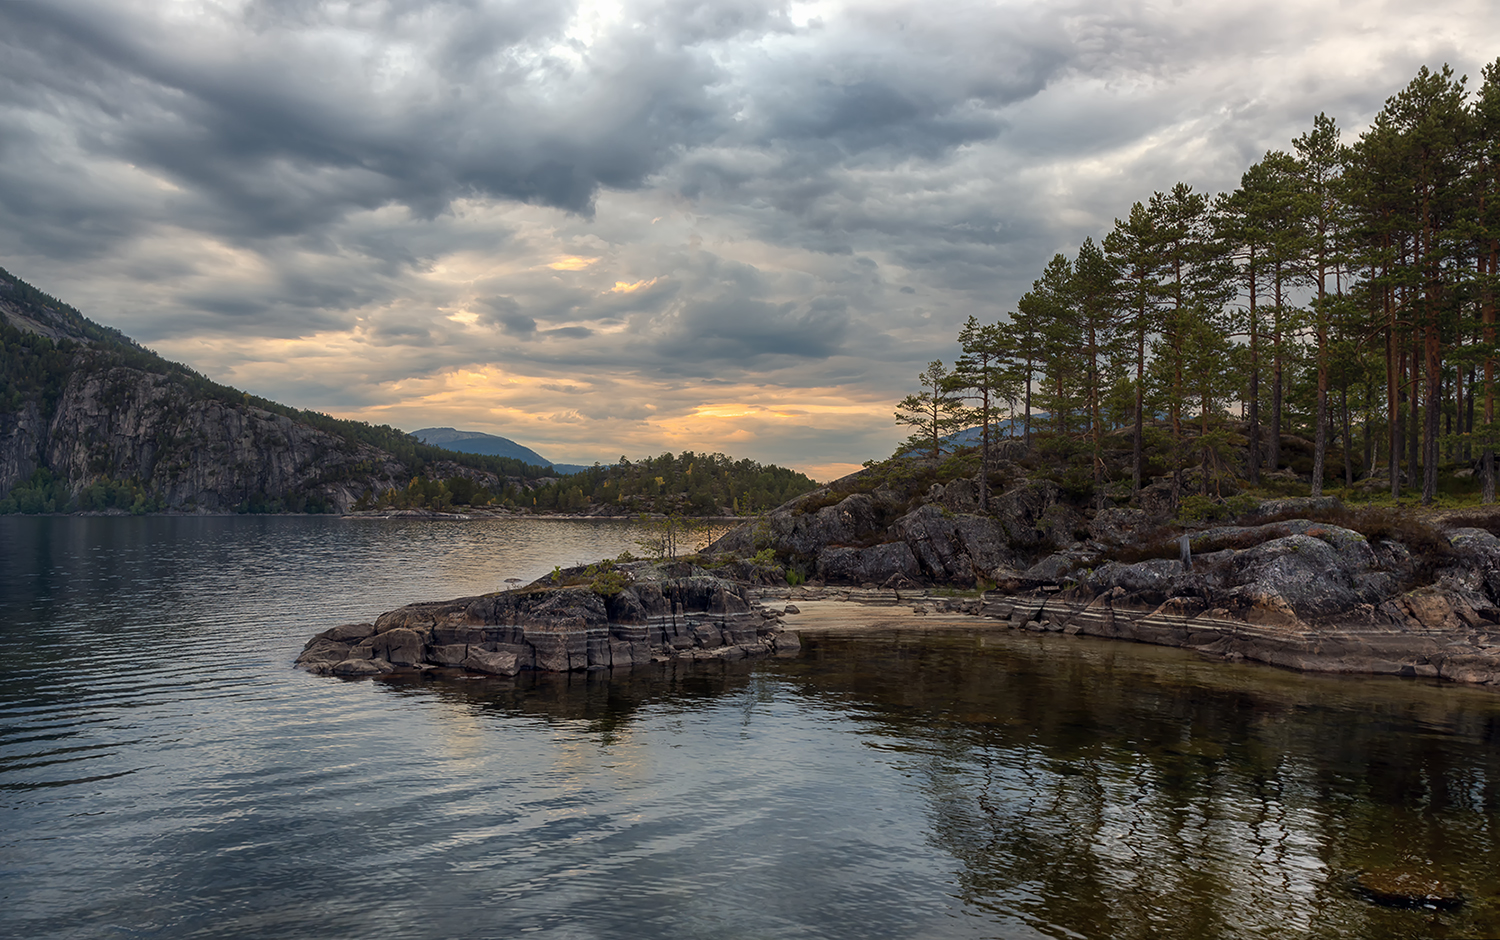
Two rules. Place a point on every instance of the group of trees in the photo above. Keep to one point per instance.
(687, 483)
(1345, 291)
(45, 492)
(692, 483)
(424, 493)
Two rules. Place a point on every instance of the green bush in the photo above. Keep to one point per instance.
(42, 492)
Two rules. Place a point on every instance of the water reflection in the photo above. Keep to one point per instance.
(1099, 790)
(1132, 792)
(601, 704)
(164, 771)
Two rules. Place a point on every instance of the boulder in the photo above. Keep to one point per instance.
(400, 646)
(448, 654)
(497, 664)
(961, 495)
(1479, 553)
(1299, 504)
(348, 632)
(1156, 578)
(1031, 518)
(953, 547)
(356, 668)
(877, 563)
(1117, 526)
(1051, 569)
(1304, 572)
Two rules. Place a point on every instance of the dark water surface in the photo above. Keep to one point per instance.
(165, 773)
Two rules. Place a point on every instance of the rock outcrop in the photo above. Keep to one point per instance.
(881, 536)
(88, 406)
(559, 629)
(1299, 594)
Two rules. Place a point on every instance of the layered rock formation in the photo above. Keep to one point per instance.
(1300, 594)
(559, 629)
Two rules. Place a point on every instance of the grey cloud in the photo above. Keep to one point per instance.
(834, 198)
(274, 136)
(737, 329)
(505, 313)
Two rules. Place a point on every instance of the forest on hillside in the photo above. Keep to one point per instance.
(690, 483)
(35, 368)
(1342, 295)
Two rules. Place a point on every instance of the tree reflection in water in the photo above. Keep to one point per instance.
(1097, 789)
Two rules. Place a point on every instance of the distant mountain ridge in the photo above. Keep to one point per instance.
(480, 442)
(91, 420)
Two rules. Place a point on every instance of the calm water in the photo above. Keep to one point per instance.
(165, 773)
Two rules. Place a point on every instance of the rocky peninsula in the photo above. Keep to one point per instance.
(1303, 583)
(599, 617)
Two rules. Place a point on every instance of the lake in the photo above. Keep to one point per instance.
(165, 772)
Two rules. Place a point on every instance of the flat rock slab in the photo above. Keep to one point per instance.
(828, 615)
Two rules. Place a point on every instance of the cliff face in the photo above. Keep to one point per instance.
(22, 432)
(88, 405)
(123, 423)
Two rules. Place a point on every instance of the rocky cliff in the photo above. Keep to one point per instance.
(86, 406)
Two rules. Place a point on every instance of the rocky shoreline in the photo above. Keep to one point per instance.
(1305, 584)
(1301, 583)
(630, 614)
(1409, 648)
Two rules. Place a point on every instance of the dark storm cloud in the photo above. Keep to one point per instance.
(273, 125)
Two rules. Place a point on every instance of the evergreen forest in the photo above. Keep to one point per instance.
(1338, 304)
(689, 483)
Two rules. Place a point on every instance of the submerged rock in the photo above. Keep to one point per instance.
(1404, 887)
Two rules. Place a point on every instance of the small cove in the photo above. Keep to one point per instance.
(164, 772)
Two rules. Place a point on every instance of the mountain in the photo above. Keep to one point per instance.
(478, 442)
(90, 419)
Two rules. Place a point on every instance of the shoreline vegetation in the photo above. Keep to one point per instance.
(1333, 318)
(1303, 582)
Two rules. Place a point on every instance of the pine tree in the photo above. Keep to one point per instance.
(1486, 135)
(1134, 251)
(1320, 158)
(1431, 119)
(1095, 281)
(935, 411)
(979, 373)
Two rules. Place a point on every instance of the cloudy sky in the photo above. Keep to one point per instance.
(606, 228)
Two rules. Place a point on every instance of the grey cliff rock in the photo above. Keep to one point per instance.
(653, 619)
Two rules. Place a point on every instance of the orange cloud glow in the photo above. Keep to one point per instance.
(622, 287)
(571, 263)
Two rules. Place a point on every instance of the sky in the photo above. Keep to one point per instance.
(610, 229)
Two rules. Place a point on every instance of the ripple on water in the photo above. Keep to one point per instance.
(165, 772)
